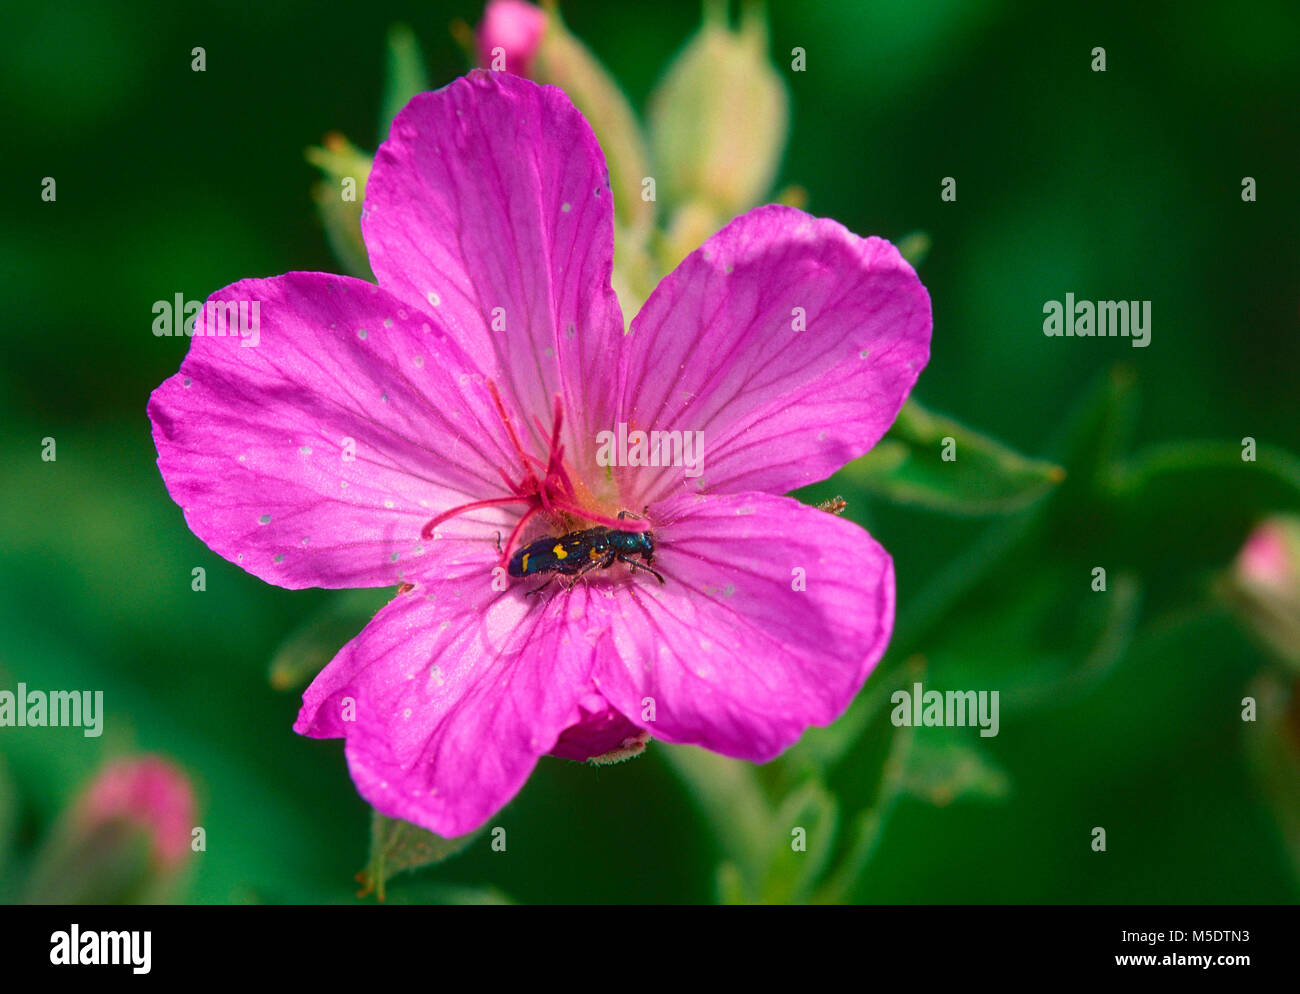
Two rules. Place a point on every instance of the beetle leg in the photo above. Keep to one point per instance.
(625, 558)
(538, 590)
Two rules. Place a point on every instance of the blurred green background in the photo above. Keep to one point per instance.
(1122, 184)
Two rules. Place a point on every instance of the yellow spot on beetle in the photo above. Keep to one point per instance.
(559, 552)
(524, 564)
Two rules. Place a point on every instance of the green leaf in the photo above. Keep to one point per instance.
(397, 846)
(945, 765)
(405, 76)
(980, 476)
(304, 653)
(807, 819)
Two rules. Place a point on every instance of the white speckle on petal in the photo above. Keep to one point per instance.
(280, 558)
(388, 504)
(566, 207)
(188, 381)
(433, 298)
(264, 519)
(388, 322)
(419, 362)
(362, 333)
(304, 450)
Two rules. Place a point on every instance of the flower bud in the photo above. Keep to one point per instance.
(719, 118)
(123, 840)
(1265, 585)
(533, 41)
(508, 36)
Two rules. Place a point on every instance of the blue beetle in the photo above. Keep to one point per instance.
(578, 552)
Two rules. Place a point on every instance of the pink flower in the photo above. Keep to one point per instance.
(395, 434)
(510, 30)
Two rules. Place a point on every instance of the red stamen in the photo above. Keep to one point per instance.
(554, 493)
(426, 532)
(513, 540)
(531, 478)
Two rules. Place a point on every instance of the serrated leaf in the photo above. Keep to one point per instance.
(981, 477)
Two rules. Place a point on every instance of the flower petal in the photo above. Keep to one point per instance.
(772, 616)
(455, 690)
(314, 457)
(790, 342)
(489, 205)
(601, 731)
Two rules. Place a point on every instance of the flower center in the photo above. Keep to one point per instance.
(544, 486)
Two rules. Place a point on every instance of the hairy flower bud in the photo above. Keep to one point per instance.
(718, 119)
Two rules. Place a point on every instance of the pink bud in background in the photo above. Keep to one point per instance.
(146, 791)
(1265, 584)
(1265, 560)
(122, 840)
(509, 34)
